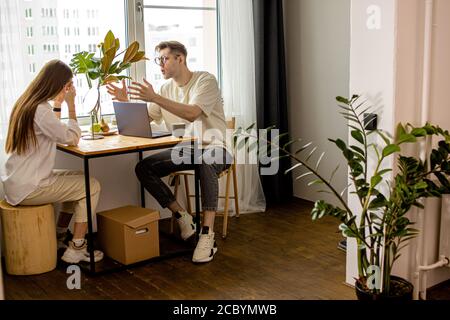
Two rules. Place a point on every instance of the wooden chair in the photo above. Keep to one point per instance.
(230, 173)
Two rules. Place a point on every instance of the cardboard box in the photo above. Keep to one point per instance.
(129, 234)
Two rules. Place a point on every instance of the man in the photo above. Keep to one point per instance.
(193, 98)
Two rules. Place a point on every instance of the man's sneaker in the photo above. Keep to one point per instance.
(187, 225)
(74, 254)
(206, 247)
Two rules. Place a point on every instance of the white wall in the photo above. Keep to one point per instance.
(317, 54)
(410, 78)
(372, 75)
(387, 66)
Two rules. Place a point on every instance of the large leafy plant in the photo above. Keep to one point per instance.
(380, 224)
(106, 68)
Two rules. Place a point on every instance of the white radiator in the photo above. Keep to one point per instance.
(444, 243)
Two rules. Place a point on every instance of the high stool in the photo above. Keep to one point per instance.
(29, 234)
(230, 173)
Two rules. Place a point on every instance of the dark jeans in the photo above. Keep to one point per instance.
(211, 163)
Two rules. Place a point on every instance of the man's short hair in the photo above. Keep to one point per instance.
(174, 46)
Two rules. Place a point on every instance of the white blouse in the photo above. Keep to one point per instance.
(27, 172)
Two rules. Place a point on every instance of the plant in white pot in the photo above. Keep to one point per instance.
(380, 225)
(105, 69)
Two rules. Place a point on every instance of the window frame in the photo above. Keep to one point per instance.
(136, 31)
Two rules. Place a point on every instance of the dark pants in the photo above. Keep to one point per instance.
(211, 163)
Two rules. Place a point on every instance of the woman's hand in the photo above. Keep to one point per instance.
(59, 99)
(71, 93)
(118, 94)
(143, 92)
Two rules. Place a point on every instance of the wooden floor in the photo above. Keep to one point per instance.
(280, 254)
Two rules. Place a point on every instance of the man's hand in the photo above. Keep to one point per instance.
(143, 92)
(119, 94)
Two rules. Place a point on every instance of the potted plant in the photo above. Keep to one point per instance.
(105, 69)
(380, 224)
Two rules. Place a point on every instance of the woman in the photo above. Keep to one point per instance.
(34, 130)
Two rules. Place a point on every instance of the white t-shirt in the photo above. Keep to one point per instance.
(202, 90)
(29, 171)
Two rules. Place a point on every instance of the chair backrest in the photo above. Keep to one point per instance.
(231, 124)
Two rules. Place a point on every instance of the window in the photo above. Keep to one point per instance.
(63, 37)
(29, 32)
(28, 13)
(31, 50)
(191, 22)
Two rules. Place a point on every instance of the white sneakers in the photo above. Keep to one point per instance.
(75, 254)
(206, 247)
(187, 225)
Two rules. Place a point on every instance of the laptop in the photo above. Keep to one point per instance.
(133, 120)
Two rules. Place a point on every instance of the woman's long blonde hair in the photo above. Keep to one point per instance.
(46, 86)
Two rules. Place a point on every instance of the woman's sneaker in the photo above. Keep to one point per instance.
(206, 247)
(187, 225)
(63, 239)
(74, 254)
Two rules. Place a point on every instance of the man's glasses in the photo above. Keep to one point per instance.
(160, 61)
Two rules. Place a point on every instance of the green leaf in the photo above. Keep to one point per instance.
(109, 42)
(290, 143)
(303, 175)
(421, 185)
(293, 168)
(318, 181)
(306, 146)
(358, 136)
(251, 127)
(406, 138)
(334, 172)
(375, 180)
(383, 136)
(311, 154)
(419, 132)
(358, 150)
(342, 100)
(400, 130)
(384, 171)
(339, 143)
(390, 149)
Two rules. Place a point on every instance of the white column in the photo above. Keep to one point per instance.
(372, 63)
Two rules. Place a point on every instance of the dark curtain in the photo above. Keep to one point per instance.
(271, 92)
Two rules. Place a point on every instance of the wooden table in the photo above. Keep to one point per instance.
(117, 145)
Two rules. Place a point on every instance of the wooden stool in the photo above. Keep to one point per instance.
(29, 234)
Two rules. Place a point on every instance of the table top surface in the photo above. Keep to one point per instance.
(118, 143)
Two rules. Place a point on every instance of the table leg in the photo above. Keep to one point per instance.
(90, 238)
(141, 186)
(197, 188)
